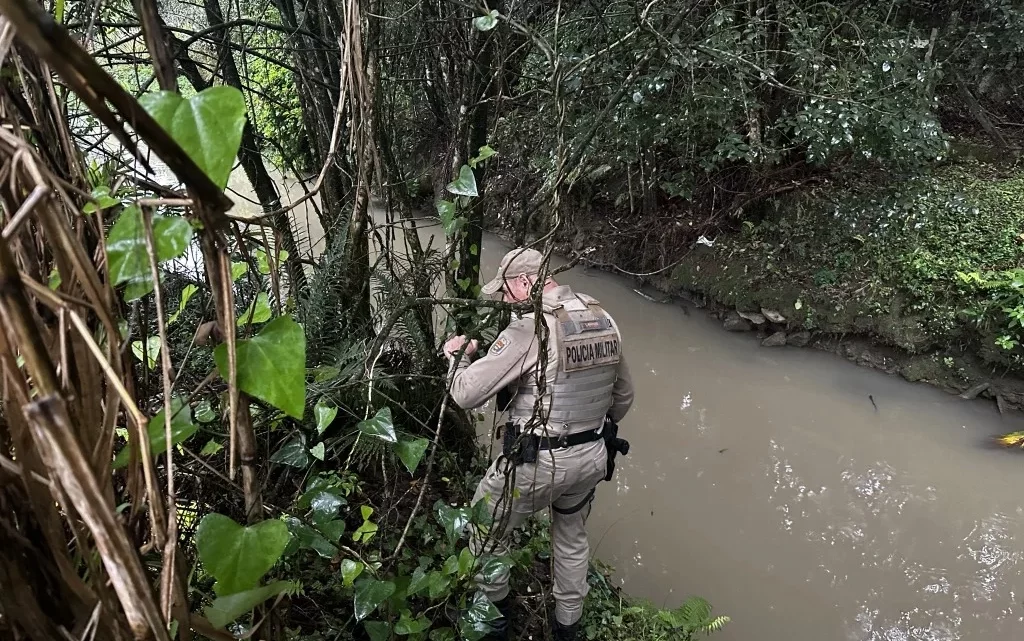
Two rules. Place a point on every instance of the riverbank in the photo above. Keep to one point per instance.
(916, 279)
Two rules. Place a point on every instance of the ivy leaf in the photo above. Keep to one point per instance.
(482, 513)
(317, 451)
(226, 609)
(370, 593)
(487, 22)
(466, 561)
(204, 412)
(442, 634)
(484, 153)
(272, 365)
(310, 539)
(368, 528)
(324, 415)
(207, 126)
(418, 583)
(450, 221)
(55, 280)
(260, 315)
(473, 620)
(350, 571)
(380, 426)
(439, 585)
(126, 248)
(182, 427)
(407, 625)
(446, 208)
(101, 199)
(465, 184)
(293, 453)
(454, 520)
(211, 448)
(262, 262)
(239, 556)
(332, 530)
(377, 630)
(495, 567)
(186, 294)
(451, 565)
(319, 485)
(238, 270)
(149, 352)
(411, 452)
(325, 506)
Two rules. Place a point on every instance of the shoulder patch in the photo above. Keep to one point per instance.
(498, 346)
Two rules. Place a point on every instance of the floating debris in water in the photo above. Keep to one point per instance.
(1012, 439)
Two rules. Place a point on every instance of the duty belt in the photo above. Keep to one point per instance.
(522, 448)
(513, 432)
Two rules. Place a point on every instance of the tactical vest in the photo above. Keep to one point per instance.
(583, 359)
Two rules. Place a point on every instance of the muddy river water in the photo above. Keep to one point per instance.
(765, 480)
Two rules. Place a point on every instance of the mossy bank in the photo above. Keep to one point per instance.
(917, 275)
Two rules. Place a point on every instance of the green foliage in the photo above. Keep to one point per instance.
(238, 556)
(411, 451)
(293, 453)
(149, 352)
(226, 609)
(208, 126)
(369, 595)
(324, 415)
(182, 428)
(186, 294)
(272, 365)
(1001, 299)
(380, 426)
(927, 261)
(127, 254)
(486, 22)
(101, 199)
(277, 113)
(464, 184)
(607, 617)
(257, 312)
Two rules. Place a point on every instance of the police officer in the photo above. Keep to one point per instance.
(559, 454)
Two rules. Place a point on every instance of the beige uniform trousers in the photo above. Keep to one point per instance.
(560, 479)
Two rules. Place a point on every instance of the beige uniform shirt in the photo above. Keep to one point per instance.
(514, 355)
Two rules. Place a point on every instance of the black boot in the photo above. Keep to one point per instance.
(499, 627)
(566, 632)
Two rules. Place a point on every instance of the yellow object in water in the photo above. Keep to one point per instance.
(1011, 439)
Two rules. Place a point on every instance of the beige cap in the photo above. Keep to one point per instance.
(518, 261)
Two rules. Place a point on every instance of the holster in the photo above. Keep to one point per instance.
(613, 445)
(518, 448)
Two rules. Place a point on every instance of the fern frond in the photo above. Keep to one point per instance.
(695, 611)
(714, 626)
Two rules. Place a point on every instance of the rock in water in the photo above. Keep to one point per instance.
(753, 317)
(733, 323)
(800, 339)
(773, 316)
(778, 339)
